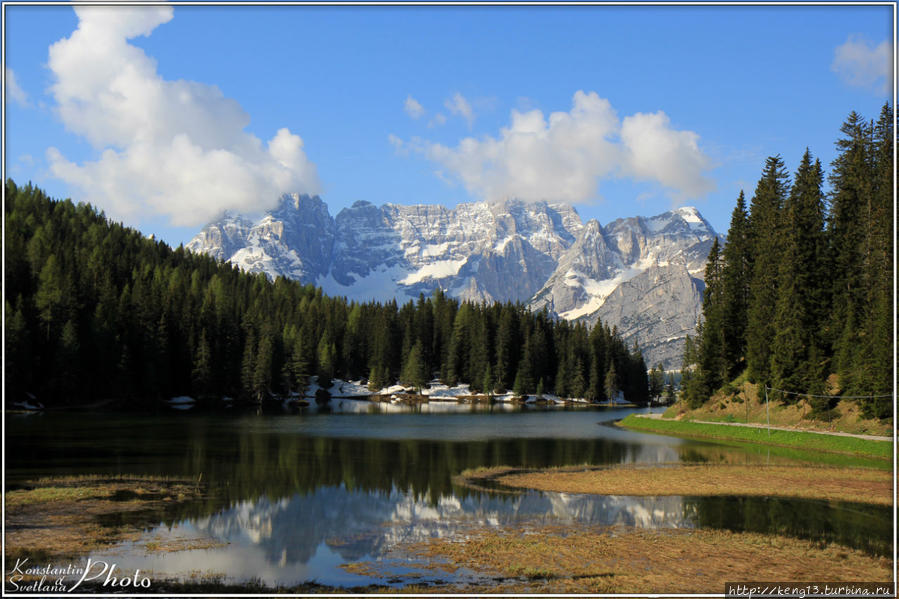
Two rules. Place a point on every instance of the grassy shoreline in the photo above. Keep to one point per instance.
(881, 450)
(552, 559)
(68, 517)
(801, 482)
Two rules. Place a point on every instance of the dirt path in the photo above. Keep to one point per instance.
(658, 416)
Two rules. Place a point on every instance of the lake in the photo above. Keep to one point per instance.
(295, 494)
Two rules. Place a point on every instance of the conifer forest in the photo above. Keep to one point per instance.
(95, 310)
(800, 298)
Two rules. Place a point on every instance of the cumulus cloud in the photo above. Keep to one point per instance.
(459, 106)
(413, 108)
(655, 151)
(563, 157)
(13, 91)
(175, 148)
(860, 63)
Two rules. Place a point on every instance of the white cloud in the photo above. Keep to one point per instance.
(860, 63)
(413, 108)
(563, 157)
(13, 91)
(175, 148)
(398, 144)
(654, 151)
(458, 105)
(438, 120)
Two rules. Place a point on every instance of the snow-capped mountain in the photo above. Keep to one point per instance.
(642, 275)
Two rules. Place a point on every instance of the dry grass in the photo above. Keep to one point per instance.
(844, 484)
(748, 405)
(562, 560)
(63, 517)
(160, 545)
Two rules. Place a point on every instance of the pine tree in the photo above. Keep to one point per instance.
(598, 361)
(488, 382)
(262, 373)
(735, 276)
(851, 182)
(563, 377)
(578, 381)
(201, 374)
(375, 382)
(712, 363)
(327, 358)
(413, 373)
(51, 296)
(656, 382)
(611, 383)
(877, 341)
(505, 348)
(800, 286)
(765, 239)
(248, 363)
(518, 387)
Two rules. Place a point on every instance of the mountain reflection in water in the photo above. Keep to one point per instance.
(281, 541)
(282, 537)
(291, 497)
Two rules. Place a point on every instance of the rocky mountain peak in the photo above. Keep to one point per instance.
(535, 252)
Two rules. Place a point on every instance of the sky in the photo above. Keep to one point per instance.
(164, 116)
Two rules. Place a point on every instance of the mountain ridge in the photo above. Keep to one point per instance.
(538, 253)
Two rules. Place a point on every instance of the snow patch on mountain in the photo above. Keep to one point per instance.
(379, 284)
(440, 269)
(539, 253)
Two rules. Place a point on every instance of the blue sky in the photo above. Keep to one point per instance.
(165, 116)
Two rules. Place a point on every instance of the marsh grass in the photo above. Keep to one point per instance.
(556, 559)
(806, 482)
(71, 516)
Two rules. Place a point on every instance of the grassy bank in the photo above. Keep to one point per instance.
(69, 517)
(550, 559)
(840, 484)
(744, 402)
(796, 439)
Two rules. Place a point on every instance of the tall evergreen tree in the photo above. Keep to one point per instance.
(796, 350)
(872, 364)
(712, 362)
(765, 232)
(656, 382)
(851, 183)
(414, 373)
(201, 372)
(611, 383)
(262, 373)
(735, 277)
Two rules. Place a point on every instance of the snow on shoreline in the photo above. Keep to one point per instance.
(436, 392)
(355, 396)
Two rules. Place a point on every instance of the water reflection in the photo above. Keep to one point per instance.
(296, 495)
(293, 539)
(283, 537)
(862, 526)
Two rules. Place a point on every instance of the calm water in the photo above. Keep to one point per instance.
(295, 495)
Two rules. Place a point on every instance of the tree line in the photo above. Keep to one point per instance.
(802, 290)
(95, 310)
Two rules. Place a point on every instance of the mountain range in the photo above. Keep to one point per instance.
(641, 275)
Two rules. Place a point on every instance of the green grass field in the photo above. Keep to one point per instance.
(800, 440)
